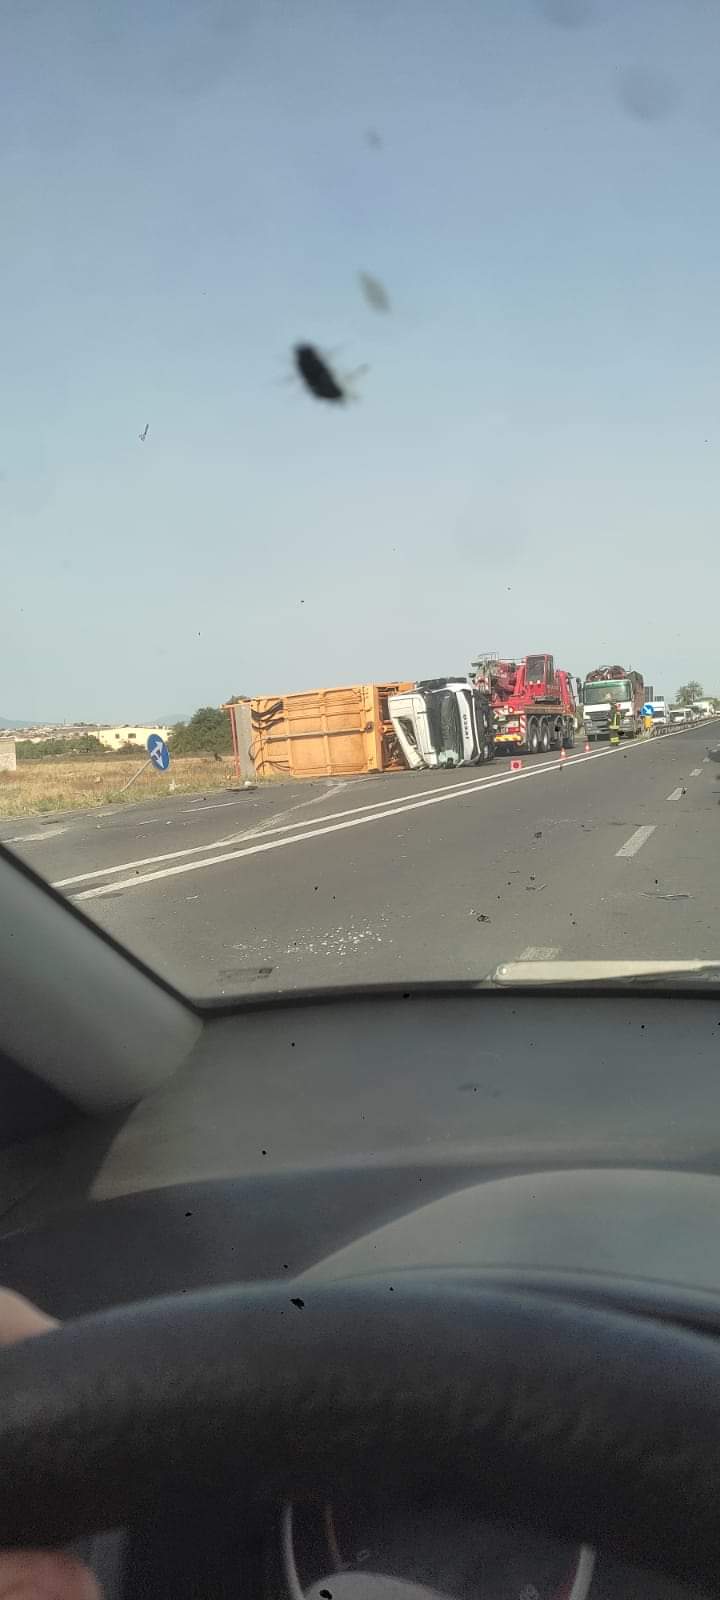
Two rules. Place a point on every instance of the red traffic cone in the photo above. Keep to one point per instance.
(586, 747)
(563, 753)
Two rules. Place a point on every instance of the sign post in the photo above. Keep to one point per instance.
(158, 752)
(158, 756)
(647, 716)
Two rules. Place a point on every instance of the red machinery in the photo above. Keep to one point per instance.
(534, 702)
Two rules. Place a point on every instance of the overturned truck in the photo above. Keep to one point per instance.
(443, 722)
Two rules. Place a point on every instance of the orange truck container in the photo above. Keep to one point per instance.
(325, 733)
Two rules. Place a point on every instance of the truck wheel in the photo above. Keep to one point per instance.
(544, 736)
(569, 740)
(533, 737)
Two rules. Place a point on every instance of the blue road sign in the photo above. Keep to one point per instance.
(647, 709)
(158, 752)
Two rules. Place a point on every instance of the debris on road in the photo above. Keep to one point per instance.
(650, 894)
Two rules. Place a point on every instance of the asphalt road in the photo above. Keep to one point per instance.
(409, 876)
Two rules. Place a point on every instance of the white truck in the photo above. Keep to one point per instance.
(443, 722)
(660, 715)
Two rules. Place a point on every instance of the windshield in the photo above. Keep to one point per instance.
(595, 694)
(346, 345)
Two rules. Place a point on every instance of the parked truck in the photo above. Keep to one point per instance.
(534, 703)
(443, 722)
(604, 689)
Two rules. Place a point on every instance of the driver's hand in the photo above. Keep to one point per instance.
(37, 1574)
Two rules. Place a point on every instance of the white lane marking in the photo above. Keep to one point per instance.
(469, 784)
(258, 831)
(676, 794)
(540, 952)
(217, 805)
(696, 772)
(35, 838)
(400, 802)
(636, 840)
(317, 833)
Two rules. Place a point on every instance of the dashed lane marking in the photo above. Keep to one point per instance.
(676, 794)
(540, 952)
(217, 805)
(636, 840)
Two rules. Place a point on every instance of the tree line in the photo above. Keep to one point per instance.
(206, 734)
(688, 693)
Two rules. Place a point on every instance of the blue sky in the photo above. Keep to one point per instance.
(188, 189)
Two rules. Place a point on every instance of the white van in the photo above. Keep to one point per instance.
(660, 716)
(681, 714)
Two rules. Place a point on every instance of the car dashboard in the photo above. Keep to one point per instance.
(373, 1550)
(378, 1138)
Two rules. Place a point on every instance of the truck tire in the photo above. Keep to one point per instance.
(544, 736)
(533, 737)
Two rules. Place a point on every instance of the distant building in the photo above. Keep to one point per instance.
(129, 733)
(38, 732)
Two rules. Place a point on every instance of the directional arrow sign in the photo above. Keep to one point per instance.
(158, 752)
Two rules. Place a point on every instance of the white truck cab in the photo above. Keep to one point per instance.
(443, 722)
(660, 715)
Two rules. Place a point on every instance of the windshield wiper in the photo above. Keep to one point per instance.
(604, 974)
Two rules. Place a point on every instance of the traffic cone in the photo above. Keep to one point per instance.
(563, 753)
(515, 764)
(586, 747)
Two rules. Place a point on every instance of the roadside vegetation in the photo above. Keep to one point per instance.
(47, 785)
(207, 733)
(79, 774)
(688, 693)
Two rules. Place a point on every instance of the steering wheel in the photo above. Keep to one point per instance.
(593, 1425)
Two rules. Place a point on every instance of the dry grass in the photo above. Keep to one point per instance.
(51, 785)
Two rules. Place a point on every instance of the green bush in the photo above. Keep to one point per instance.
(84, 745)
(207, 733)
